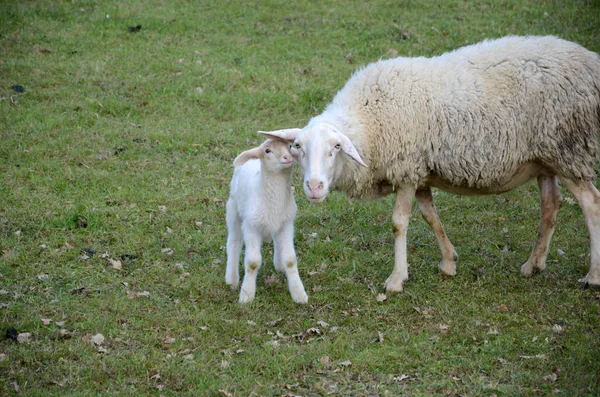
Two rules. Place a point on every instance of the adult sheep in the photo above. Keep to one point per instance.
(482, 119)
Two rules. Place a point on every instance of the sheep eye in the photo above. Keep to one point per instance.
(268, 151)
(338, 146)
(297, 145)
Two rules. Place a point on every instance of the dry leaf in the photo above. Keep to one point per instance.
(24, 337)
(225, 393)
(493, 331)
(381, 297)
(97, 339)
(188, 357)
(46, 321)
(540, 356)
(324, 359)
(250, 322)
(443, 328)
(224, 364)
(400, 378)
(379, 337)
(503, 308)
(203, 327)
(558, 329)
(115, 264)
(170, 340)
(2, 357)
(133, 295)
(346, 363)
(553, 377)
(322, 324)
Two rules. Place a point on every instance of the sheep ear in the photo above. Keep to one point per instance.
(288, 134)
(350, 150)
(255, 153)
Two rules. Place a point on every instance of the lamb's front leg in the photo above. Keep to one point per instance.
(400, 218)
(284, 244)
(252, 263)
(425, 200)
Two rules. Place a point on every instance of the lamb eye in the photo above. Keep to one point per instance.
(297, 145)
(268, 151)
(338, 146)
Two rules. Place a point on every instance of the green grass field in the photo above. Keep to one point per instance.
(120, 147)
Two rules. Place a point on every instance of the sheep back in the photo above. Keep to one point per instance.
(472, 116)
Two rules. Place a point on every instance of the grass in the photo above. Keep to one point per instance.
(122, 143)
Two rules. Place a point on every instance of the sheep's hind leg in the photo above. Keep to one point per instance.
(284, 244)
(252, 263)
(400, 218)
(549, 205)
(234, 245)
(589, 200)
(449, 257)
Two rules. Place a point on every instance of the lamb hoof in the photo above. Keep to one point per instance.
(394, 283)
(233, 283)
(447, 268)
(300, 298)
(245, 297)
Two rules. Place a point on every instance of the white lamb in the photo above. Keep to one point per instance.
(261, 207)
(482, 119)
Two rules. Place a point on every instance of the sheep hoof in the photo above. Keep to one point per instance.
(448, 268)
(530, 267)
(591, 281)
(394, 283)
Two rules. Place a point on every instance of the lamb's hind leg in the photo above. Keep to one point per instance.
(549, 205)
(400, 218)
(449, 257)
(234, 245)
(589, 200)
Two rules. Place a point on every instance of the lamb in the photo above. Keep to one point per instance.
(261, 206)
(483, 119)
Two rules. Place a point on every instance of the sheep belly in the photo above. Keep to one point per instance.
(522, 175)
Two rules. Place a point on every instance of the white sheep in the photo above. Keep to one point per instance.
(261, 206)
(483, 119)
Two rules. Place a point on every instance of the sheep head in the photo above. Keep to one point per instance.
(318, 146)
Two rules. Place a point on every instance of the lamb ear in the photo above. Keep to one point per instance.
(288, 134)
(255, 153)
(350, 150)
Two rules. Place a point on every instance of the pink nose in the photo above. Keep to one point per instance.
(315, 185)
(287, 158)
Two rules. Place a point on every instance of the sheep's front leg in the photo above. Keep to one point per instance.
(284, 246)
(400, 218)
(549, 203)
(589, 200)
(252, 263)
(449, 257)
(234, 245)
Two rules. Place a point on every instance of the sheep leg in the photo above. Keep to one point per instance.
(449, 257)
(588, 198)
(549, 203)
(284, 243)
(276, 256)
(234, 245)
(252, 263)
(400, 218)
